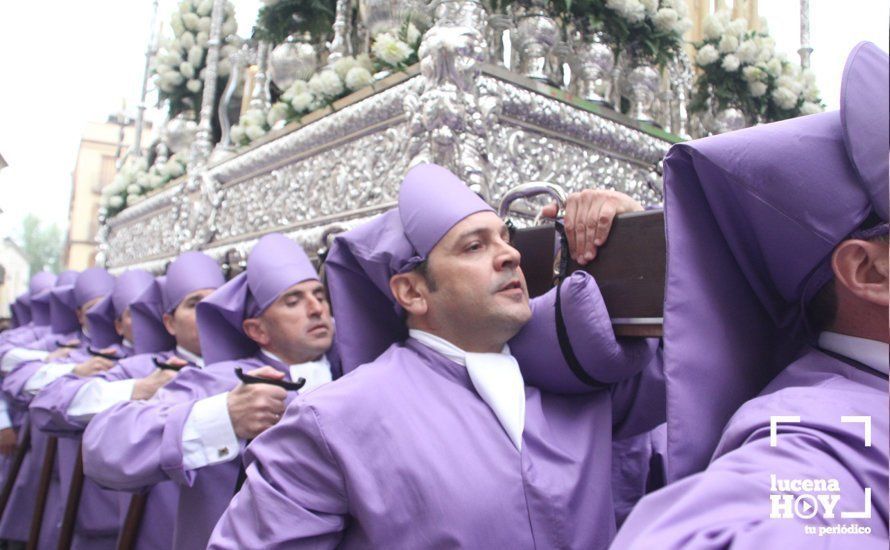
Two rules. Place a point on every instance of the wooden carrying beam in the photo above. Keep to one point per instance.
(629, 269)
(46, 477)
(66, 533)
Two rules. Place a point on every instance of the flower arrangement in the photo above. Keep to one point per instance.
(278, 19)
(741, 69)
(179, 65)
(394, 50)
(135, 179)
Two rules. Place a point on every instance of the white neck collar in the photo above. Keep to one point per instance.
(126, 343)
(189, 356)
(495, 376)
(316, 373)
(871, 353)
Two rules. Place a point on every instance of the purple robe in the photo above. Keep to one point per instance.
(49, 411)
(153, 453)
(729, 504)
(402, 453)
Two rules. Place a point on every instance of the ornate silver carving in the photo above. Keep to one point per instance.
(181, 131)
(643, 82)
(448, 120)
(593, 69)
(238, 60)
(260, 96)
(341, 45)
(537, 33)
(203, 143)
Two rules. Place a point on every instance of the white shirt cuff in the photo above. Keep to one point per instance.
(208, 436)
(19, 355)
(47, 374)
(5, 420)
(97, 395)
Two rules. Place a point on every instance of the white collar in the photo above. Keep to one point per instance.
(189, 356)
(495, 376)
(870, 353)
(126, 343)
(316, 373)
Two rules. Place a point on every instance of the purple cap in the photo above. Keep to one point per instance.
(865, 111)
(752, 218)
(63, 310)
(275, 264)
(361, 261)
(41, 282)
(101, 317)
(91, 284)
(147, 311)
(20, 310)
(40, 308)
(67, 277)
(189, 272)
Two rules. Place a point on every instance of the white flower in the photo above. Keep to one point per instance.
(811, 94)
(728, 44)
(278, 111)
(229, 27)
(343, 65)
(185, 6)
(326, 83)
(191, 21)
(201, 39)
(194, 86)
(753, 74)
(790, 69)
(707, 55)
(116, 201)
(632, 10)
(133, 189)
(665, 19)
(254, 132)
(767, 48)
(737, 27)
(224, 67)
(176, 24)
(133, 199)
(650, 6)
(774, 66)
(298, 87)
(748, 52)
(679, 5)
(187, 69)
(412, 34)
(365, 61)
(155, 181)
(730, 63)
(784, 98)
(186, 41)
(205, 7)
(171, 79)
(358, 77)
(790, 82)
(390, 49)
(713, 28)
(204, 24)
(301, 101)
(810, 108)
(252, 117)
(161, 69)
(757, 88)
(195, 55)
(237, 134)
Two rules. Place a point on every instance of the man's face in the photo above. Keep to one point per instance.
(82, 311)
(123, 325)
(297, 326)
(479, 291)
(183, 323)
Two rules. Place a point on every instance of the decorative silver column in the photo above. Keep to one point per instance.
(150, 52)
(340, 45)
(260, 97)
(805, 50)
(203, 144)
(225, 148)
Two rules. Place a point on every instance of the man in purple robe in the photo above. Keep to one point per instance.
(437, 442)
(111, 337)
(272, 321)
(164, 335)
(68, 307)
(778, 277)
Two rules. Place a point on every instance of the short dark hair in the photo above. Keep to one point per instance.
(821, 310)
(423, 269)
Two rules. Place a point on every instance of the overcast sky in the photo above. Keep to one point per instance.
(69, 62)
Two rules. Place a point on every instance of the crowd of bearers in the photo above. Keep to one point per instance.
(448, 409)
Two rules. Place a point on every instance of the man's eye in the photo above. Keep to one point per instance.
(472, 247)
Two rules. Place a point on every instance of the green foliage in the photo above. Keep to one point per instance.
(277, 21)
(42, 244)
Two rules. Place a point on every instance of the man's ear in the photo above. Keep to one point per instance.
(255, 330)
(409, 290)
(862, 268)
(168, 324)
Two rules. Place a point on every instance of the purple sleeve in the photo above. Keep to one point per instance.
(729, 504)
(124, 445)
(14, 382)
(640, 403)
(290, 499)
(49, 409)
